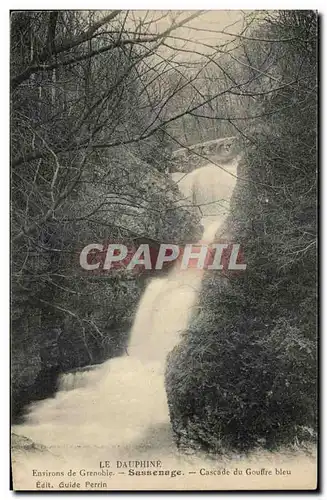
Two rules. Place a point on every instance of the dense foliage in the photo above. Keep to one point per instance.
(245, 372)
(87, 167)
(98, 105)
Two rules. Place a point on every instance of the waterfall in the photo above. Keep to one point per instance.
(119, 401)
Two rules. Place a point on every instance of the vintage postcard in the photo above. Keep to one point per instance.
(164, 250)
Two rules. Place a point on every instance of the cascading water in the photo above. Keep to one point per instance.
(167, 303)
(118, 411)
(119, 402)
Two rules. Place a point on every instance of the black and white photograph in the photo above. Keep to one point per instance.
(164, 250)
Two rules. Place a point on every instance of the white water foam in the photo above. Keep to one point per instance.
(119, 401)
